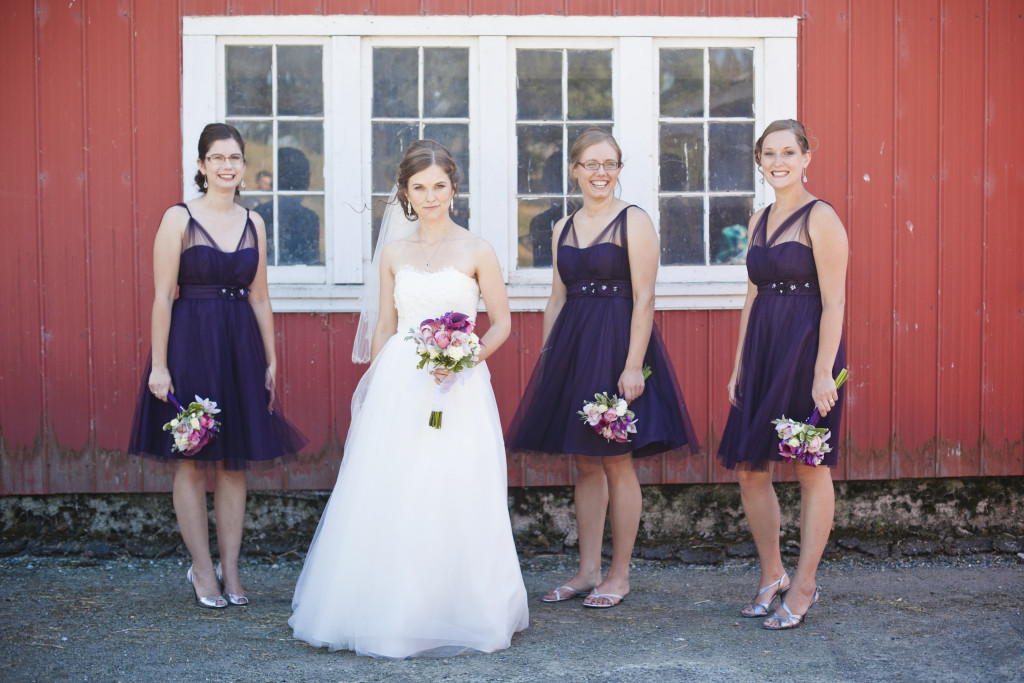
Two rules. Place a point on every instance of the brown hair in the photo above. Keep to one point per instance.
(211, 133)
(792, 125)
(420, 156)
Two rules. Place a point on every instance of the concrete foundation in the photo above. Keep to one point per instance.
(690, 524)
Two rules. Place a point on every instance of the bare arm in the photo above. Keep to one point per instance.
(644, 251)
(259, 299)
(744, 316)
(557, 298)
(831, 254)
(166, 259)
(492, 286)
(387, 314)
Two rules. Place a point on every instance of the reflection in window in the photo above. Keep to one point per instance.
(559, 94)
(705, 154)
(418, 92)
(275, 97)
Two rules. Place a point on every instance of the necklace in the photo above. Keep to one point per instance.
(440, 243)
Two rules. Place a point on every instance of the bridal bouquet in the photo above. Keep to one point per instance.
(610, 416)
(447, 343)
(806, 441)
(195, 426)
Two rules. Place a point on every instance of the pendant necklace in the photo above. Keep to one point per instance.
(440, 242)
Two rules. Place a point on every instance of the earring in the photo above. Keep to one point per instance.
(204, 182)
(761, 180)
(805, 175)
(243, 184)
(451, 207)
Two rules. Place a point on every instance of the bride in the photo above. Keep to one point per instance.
(414, 552)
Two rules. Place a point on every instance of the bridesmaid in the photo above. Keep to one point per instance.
(216, 340)
(599, 333)
(789, 352)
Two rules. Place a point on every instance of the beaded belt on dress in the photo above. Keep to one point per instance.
(621, 288)
(790, 287)
(230, 293)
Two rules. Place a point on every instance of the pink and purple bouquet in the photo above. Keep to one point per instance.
(447, 343)
(806, 442)
(195, 426)
(610, 416)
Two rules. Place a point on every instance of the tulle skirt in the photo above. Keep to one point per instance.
(414, 552)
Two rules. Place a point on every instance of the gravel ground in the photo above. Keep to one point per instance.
(940, 619)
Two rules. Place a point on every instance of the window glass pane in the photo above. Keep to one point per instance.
(389, 143)
(302, 168)
(540, 147)
(682, 83)
(395, 82)
(461, 213)
(682, 157)
(446, 82)
(300, 80)
(728, 229)
(247, 80)
(731, 86)
(730, 160)
(681, 230)
(589, 84)
(301, 238)
(537, 218)
(454, 136)
(539, 84)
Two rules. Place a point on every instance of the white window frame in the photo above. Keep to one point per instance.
(492, 40)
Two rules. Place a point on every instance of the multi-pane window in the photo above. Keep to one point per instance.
(274, 95)
(705, 146)
(418, 92)
(328, 106)
(559, 94)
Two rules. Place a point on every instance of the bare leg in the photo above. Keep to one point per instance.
(591, 495)
(626, 504)
(229, 504)
(817, 510)
(761, 507)
(190, 507)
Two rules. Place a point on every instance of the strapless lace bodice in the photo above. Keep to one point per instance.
(421, 294)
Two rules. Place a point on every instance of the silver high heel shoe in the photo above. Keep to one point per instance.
(215, 603)
(232, 598)
(757, 608)
(777, 623)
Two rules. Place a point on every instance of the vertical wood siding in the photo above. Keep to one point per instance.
(917, 122)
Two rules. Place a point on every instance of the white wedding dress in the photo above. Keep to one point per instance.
(414, 552)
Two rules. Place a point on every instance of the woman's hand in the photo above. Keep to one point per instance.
(440, 375)
(270, 384)
(160, 383)
(824, 393)
(631, 384)
(734, 381)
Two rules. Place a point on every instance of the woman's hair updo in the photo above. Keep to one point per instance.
(420, 156)
(792, 125)
(211, 133)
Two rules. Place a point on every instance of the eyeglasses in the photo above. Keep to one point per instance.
(594, 165)
(219, 159)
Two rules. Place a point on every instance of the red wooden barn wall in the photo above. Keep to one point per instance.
(916, 110)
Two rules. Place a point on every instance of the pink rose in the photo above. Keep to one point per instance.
(441, 337)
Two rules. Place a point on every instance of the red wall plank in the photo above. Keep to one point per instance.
(349, 6)
(962, 149)
(1003, 324)
(112, 245)
(157, 175)
(870, 225)
(67, 364)
(590, 8)
(22, 467)
(684, 8)
(301, 7)
(916, 237)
